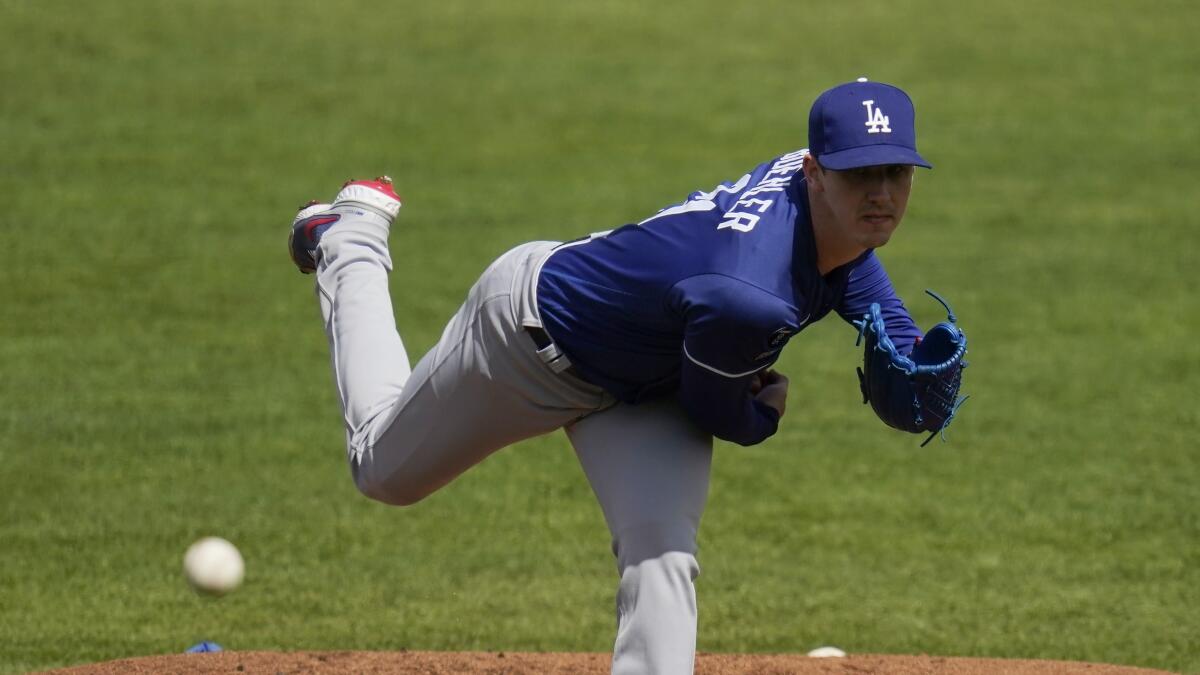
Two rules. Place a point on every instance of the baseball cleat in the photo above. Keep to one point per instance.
(307, 227)
(376, 195)
(315, 217)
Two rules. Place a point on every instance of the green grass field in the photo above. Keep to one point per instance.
(163, 372)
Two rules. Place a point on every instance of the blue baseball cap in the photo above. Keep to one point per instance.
(863, 124)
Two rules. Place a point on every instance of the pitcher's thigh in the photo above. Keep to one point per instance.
(649, 466)
(449, 419)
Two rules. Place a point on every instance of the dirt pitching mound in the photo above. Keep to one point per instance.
(514, 663)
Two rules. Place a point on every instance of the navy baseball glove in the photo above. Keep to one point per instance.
(918, 392)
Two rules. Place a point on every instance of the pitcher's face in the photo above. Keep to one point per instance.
(868, 202)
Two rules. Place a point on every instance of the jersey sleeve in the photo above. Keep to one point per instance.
(733, 331)
(868, 283)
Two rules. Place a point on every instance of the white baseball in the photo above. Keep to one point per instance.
(826, 652)
(213, 565)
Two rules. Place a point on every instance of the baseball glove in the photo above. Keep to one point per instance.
(918, 392)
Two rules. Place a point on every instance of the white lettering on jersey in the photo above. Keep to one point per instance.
(701, 201)
(776, 179)
(876, 121)
(686, 207)
(794, 156)
(762, 204)
(769, 185)
(732, 189)
(742, 222)
(782, 168)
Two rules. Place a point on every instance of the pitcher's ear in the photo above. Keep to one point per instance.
(814, 173)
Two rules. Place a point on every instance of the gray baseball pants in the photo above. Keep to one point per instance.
(484, 386)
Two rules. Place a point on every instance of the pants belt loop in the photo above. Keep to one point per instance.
(547, 351)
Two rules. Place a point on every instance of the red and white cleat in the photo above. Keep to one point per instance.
(377, 195)
(316, 217)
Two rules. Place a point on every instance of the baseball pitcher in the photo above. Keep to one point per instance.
(642, 342)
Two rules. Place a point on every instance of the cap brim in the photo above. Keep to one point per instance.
(871, 155)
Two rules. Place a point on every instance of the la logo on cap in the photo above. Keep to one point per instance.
(876, 122)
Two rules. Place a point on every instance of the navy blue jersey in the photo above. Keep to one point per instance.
(703, 295)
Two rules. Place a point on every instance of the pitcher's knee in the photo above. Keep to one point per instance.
(671, 542)
(393, 490)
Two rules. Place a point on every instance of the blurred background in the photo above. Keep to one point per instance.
(164, 375)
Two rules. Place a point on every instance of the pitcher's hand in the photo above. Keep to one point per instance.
(770, 387)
